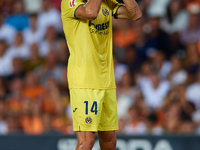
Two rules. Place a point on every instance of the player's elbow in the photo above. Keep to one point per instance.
(137, 16)
(91, 14)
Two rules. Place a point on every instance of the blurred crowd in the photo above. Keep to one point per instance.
(157, 69)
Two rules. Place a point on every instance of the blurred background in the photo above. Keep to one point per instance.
(157, 69)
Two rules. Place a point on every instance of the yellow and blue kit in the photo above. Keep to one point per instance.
(90, 66)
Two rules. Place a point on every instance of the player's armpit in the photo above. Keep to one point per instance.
(129, 11)
(88, 11)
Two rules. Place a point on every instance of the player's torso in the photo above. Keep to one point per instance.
(90, 45)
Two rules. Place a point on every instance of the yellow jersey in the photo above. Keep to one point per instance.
(90, 64)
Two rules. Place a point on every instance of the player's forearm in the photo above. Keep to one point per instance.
(133, 9)
(92, 8)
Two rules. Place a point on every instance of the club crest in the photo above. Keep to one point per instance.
(105, 12)
(88, 120)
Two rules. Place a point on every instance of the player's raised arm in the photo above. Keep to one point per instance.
(129, 11)
(88, 11)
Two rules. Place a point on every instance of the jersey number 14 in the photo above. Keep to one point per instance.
(93, 108)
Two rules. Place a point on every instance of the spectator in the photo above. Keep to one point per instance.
(131, 59)
(32, 89)
(140, 29)
(3, 123)
(63, 52)
(35, 60)
(48, 129)
(156, 37)
(49, 69)
(192, 61)
(125, 94)
(32, 34)
(33, 124)
(13, 124)
(124, 35)
(16, 98)
(17, 70)
(177, 17)
(135, 125)
(51, 101)
(152, 125)
(7, 32)
(177, 74)
(145, 71)
(19, 49)
(172, 123)
(154, 90)
(160, 63)
(178, 109)
(49, 42)
(19, 20)
(192, 92)
(49, 17)
(192, 33)
(61, 122)
(5, 60)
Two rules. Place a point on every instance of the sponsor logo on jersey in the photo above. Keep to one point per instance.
(105, 12)
(72, 3)
(99, 27)
(88, 120)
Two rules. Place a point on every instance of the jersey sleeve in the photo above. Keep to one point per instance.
(115, 6)
(69, 7)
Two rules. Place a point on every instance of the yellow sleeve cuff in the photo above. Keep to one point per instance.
(116, 7)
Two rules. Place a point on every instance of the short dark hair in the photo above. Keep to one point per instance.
(33, 15)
